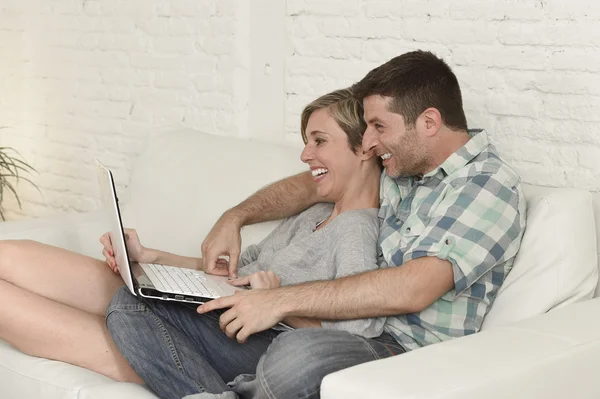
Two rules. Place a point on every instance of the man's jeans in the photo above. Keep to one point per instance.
(178, 352)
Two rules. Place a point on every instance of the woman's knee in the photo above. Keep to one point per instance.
(12, 253)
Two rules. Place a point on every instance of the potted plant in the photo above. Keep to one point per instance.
(11, 171)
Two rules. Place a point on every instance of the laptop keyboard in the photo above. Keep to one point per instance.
(178, 280)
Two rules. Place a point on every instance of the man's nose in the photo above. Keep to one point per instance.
(369, 141)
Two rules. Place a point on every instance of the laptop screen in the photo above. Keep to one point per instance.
(111, 208)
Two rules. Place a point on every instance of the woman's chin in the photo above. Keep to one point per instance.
(323, 193)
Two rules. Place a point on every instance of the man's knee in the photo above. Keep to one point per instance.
(297, 361)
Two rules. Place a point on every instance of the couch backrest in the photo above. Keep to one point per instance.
(557, 263)
(185, 180)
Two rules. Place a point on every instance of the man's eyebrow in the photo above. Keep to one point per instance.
(374, 120)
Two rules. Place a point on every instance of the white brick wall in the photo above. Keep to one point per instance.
(84, 79)
(87, 79)
(529, 70)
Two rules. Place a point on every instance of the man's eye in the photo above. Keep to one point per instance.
(378, 126)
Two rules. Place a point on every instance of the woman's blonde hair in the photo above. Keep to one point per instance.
(345, 109)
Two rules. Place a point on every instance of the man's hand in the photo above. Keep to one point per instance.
(223, 239)
(250, 312)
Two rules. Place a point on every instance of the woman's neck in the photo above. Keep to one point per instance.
(362, 191)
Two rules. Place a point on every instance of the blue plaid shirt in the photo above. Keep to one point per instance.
(469, 211)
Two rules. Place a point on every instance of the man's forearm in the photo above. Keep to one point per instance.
(281, 199)
(384, 292)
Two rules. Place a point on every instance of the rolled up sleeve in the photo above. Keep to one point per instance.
(475, 227)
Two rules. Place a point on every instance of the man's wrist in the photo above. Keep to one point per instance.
(236, 216)
(284, 303)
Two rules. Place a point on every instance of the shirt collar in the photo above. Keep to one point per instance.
(478, 142)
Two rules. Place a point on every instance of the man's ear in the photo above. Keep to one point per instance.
(430, 121)
(365, 155)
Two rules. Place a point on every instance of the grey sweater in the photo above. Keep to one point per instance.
(297, 253)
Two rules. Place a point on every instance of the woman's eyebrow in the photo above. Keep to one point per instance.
(313, 132)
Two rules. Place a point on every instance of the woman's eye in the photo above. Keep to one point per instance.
(319, 141)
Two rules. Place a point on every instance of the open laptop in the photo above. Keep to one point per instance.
(151, 280)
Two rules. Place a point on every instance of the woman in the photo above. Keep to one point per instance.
(69, 318)
(177, 352)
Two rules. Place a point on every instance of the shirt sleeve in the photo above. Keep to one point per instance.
(354, 249)
(476, 226)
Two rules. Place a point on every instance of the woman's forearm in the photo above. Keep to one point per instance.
(167, 258)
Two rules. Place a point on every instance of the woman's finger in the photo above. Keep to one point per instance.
(240, 282)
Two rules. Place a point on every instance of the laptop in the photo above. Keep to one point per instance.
(155, 281)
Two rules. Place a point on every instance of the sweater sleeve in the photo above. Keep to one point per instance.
(354, 251)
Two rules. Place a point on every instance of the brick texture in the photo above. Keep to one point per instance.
(85, 79)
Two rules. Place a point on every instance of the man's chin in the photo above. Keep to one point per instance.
(393, 173)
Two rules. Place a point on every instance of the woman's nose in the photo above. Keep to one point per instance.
(307, 154)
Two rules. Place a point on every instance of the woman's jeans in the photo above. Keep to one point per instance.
(178, 352)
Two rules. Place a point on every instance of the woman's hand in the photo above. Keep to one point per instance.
(136, 251)
(258, 280)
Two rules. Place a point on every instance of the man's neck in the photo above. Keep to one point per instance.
(446, 143)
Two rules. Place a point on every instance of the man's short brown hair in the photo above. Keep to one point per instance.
(416, 81)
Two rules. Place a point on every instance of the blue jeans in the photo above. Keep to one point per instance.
(178, 352)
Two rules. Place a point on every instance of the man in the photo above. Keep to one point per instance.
(451, 220)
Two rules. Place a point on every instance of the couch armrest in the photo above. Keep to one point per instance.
(555, 355)
(76, 232)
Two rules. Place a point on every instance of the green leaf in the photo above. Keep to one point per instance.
(11, 167)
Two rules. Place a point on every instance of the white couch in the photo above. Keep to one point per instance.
(183, 182)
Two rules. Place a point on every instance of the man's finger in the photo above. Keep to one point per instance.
(219, 303)
(226, 318)
(243, 334)
(232, 328)
(219, 270)
(209, 262)
(233, 263)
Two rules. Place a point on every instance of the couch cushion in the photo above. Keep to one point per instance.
(185, 180)
(557, 262)
(23, 376)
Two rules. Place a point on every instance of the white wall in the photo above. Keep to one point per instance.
(94, 78)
